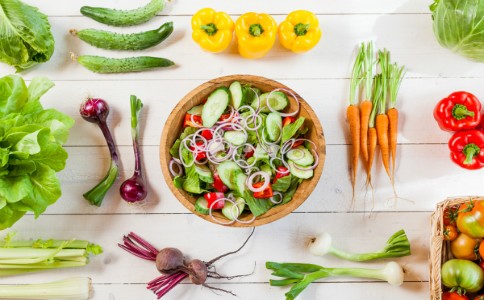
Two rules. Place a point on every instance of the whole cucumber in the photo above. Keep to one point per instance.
(101, 64)
(119, 41)
(118, 17)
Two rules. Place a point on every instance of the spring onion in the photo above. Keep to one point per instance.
(18, 257)
(301, 275)
(78, 288)
(396, 246)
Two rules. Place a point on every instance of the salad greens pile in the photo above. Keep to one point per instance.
(31, 152)
(242, 151)
(25, 36)
(459, 26)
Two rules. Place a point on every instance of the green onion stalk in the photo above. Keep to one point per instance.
(300, 275)
(396, 246)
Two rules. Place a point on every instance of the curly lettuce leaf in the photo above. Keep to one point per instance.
(25, 35)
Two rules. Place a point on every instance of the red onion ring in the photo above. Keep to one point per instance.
(217, 220)
(313, 166)
(280, 196)
(293, 96)
(172, 170)
(194, 122)
(250, 180)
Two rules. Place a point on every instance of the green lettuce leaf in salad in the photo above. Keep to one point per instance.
(25, 35)
(31, 151)
(282, 184)
(291, 190)
(290, 130)
(459, 26)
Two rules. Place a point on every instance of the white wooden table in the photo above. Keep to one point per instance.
(425, 174)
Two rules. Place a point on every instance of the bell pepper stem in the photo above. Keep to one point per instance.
(470, 151)
(210, 29)
(301, 29)
(460, 112)
(256, 29)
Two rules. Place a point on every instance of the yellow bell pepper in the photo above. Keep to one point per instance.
(256, 34)
(300, 31)
(212, 30)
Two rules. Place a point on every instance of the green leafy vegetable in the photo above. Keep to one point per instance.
(282, 184)
(25, 36)
(290, 130)
(31, 152)
(459, 26)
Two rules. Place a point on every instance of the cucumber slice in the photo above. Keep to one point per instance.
(239, 181)
(251, 94)
(236, 138)
(227, 171)
(278, 101)
(204, 173)
(301, 156)
(196, 110)
(229, 210)
(238, 94)
(215, 106)
(273, 126)
(260, 153)
(303, 174)
(201, 206)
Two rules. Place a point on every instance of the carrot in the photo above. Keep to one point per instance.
(372, 135)
(382, 123)
(366, 105)
(372, 142)
(396, 76)
(353, 114)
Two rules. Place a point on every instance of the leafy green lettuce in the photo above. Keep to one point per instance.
(25, 36)
(459, 26)
(31, 151)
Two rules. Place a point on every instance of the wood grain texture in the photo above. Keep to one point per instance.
(174, 126)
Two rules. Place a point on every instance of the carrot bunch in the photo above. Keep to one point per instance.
(377, 121)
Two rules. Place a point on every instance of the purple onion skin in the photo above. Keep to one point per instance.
(133, 190)
(94, 110)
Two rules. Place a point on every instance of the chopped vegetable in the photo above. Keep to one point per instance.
(25, 36)
(265, 193)
(116, 17)
(96, 111)
(173, 265)
(212, 31)
(78, 288)
(31, 149)
(256, 34)
(459, 26)
(300, 275)
(467, 149)
(134, 189)
(458, 111)
(396, 246)
(18, 257)
(300, 31)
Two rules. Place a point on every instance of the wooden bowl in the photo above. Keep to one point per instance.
(174, 127)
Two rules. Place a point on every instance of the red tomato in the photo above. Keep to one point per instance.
(450, 215)
(281, 172)
(464, 247)
(450, 233)
(207, 134)
(212, 197)
(192, 121)
(453, 296)
(266, 193)
(297, 143)
(218, 184)
(480, 297)
(200, 155)
(288, 120)
(249, 154)
(481, 251)
(470, 218)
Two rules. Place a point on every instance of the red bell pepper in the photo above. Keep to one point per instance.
(211, 197)
(459, 111)
(207, 134)
(249, 154)
(266, 193)
(281, 171)
(288, 120)
(218, 184)
(201, 155)
(297, 143)
(467, 149)
(192, 121)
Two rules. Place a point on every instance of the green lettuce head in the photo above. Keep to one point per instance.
(459, 26)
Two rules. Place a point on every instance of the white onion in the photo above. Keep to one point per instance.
(250, 180)
(276, 202)
(178, 165)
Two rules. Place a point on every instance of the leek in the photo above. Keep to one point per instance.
(78, 288)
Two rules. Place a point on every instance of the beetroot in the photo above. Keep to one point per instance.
(171, 263)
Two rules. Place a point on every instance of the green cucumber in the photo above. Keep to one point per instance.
(229, 210)
(196, 110)
(278, 101)
(204, 173)
(273, 126)
(301, 156)
(101, 64)
(120, 41)
(201, 206)
(215, 106)
(234, 137)
(227, 170)
(116, 17)
(238, 94)
(239, 179)
(303, 174)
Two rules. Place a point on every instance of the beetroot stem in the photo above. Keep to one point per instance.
(167, 283)
(129, 243)
(143, 242)
(134, 252)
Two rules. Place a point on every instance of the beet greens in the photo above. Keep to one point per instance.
(173, 265)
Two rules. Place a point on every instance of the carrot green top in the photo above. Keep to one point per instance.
(396, 75)
(357, 75)
(368, 65)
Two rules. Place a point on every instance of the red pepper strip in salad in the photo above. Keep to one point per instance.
(288, 120)
(192, 121)
(211, 197)
(281, 172)
(207, 134)
(459, 111)
(266, 193)
(218, 184)
(200, 155)
(467, 149)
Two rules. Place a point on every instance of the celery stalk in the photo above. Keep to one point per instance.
(73, 288)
